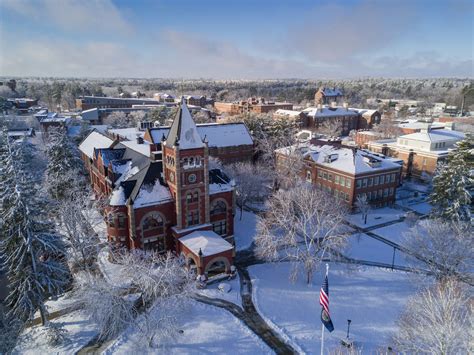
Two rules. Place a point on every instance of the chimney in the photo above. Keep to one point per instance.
(320, 107)
(333, 104)
(346, 106)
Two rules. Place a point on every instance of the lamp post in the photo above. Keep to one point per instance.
(348, 325)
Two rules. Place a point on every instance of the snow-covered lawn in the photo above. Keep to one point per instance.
(363, 247)
(376, 217)
(80, 331)
(372, 298)
(206, 330)
(245, 229)
(423, 207)
(394, 232)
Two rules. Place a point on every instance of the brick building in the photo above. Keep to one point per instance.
(421, 152)
(251, 105)
(347, 172)
(168, 200)
(88, 102)
(326, 96)
(228, 142)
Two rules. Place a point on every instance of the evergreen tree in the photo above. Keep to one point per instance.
(62, 160)
(451, 196)
(31, 251)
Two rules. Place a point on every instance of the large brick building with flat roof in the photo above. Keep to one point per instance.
(251, 105)
(346, 172)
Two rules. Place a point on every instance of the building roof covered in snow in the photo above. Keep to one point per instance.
(206, 242)
(94, 140)
(345, 159)
(218, 135)
(289, 113)
(327, 111)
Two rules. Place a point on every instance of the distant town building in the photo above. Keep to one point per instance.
(88, 102)
(326, 96)
(251, 105)
(23, 104)
(346, 172)
(421, 152)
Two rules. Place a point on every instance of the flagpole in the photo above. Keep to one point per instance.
(322, 339)
(322, 325)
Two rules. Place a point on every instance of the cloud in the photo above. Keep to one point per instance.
(333, 32)
(72, 15)
(46, 57)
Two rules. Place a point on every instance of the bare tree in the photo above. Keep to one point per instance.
(443, 247)
(164, 286)
(388, 127)
(438, 321)
(251, 183)
(116, 119)
(331, 127)
(105, 304)
(362, 204)
(302, 224)
(135, 117)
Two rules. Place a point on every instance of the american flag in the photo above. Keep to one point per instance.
(324, 302)
(324, 295)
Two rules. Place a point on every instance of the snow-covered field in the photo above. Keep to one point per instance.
(206, 330)
(376, 217)
(244, 230)
(372, 298)
(395, 232)
(233, 295)
(80, 331)
(363, 247)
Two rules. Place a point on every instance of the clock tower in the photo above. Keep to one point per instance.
(186, 171)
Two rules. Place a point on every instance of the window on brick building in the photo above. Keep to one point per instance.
(359, 183)
(308, 175)
(348, 182)
(371, 182)
(385, 192)
(218, 207)
(336, 179)
(382, 179)
(394, 177)
(364, 182)
(376, 180)
(152, 222)
(220, 227)
(330, 177)
(325, 175)
(111, 220)
(390, 191)
(320, 173)
(122, 221)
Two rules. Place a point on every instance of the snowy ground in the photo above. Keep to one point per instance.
(376, 217)
(372, 298)
(364, 247)
(244, 230)
(80, 331)
(207, 330)
(394, 232)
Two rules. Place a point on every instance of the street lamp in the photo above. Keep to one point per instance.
(348, 325)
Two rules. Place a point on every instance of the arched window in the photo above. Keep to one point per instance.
(185, 161)
(191, 161)
(152, 222)
(195, 196)
(189, 197)
(218, 207)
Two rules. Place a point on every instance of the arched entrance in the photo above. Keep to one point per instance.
(216, 266)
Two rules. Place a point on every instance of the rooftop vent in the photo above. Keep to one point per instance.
(331, 157)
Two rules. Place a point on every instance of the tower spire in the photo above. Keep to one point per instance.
(183, 130)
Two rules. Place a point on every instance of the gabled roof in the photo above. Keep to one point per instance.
(217, 134)
(94, 140)
(183, 130)
(437, 135)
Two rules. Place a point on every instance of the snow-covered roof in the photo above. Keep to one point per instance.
(363, 111)
(152, 194)
(436, 135)
(94, 140)
(184, 130)
(128, 133)
(349, 160)
(326, 111)
(415, 124)
(142, 148)
(217, 135)
(290, 113)
(207, 241)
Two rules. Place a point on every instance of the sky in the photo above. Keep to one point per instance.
(230, 39)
